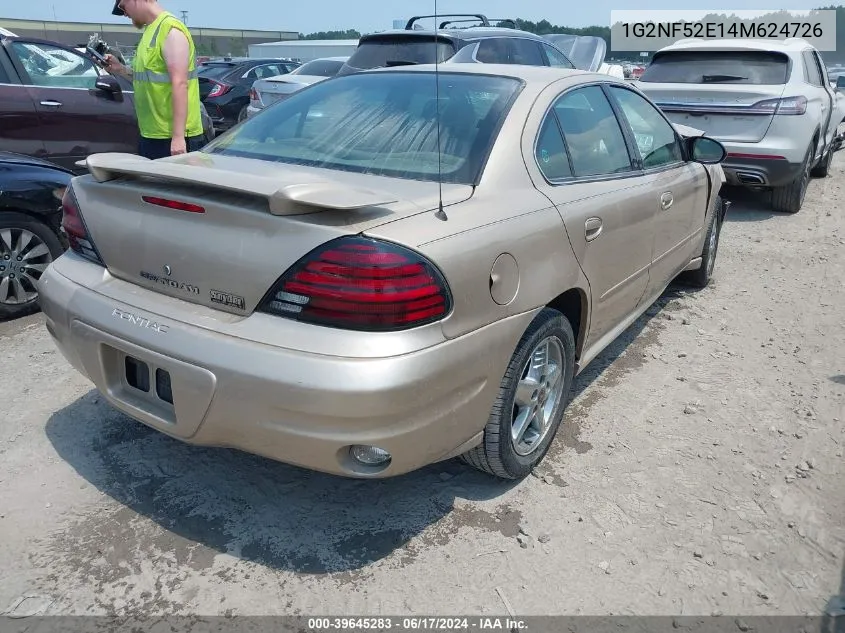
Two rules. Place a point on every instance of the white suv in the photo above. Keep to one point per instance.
(768, 102)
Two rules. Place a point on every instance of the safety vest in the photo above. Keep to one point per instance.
(151, 82)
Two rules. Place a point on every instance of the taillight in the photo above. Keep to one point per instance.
(253, 95)
(74, 228)
(359, 283)
(786, 105)
(219, 89)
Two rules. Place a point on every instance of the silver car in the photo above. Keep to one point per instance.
(268, 91)
(768, 102)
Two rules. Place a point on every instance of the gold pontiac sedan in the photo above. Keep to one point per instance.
(386, 270)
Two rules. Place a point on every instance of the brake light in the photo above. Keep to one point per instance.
(786, 105)
(253, 95)
(173, 204)
(74, 228)
(360, 283)
(219, 89)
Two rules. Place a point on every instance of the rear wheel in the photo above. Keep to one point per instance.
(790, 198)
(532, 398)
(27, 247)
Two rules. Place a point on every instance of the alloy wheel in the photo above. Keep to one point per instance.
(537, 396)
(23, 259)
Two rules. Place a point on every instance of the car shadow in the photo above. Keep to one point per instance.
(748, 205)
(282, 516)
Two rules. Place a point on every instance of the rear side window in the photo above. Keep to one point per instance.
(4, 76)
(381, 52)
(722, 67)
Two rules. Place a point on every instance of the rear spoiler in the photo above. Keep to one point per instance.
(290, 199)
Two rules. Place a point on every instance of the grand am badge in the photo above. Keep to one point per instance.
(171, 283)
(228, 299)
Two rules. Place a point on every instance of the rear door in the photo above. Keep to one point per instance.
(727, 93)
(76, 118)
(19, 124)
(607, 204)
(820, 95)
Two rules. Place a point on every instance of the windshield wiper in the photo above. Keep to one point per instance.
(399, 62)
(707, 78)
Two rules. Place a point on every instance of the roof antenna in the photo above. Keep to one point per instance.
(440, 214)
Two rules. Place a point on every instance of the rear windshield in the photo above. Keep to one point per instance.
(215, 71)
(380, 52)
(319, 68)
(383, 124)
(728, 67)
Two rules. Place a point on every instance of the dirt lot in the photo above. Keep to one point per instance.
(702, 471)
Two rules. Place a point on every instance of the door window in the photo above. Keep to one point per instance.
(527, 53)
(814, 77)
(556, 58)
(54, 67)
(4, 76)
(494, 50)
(550, 151)
(592, 133)
(656, 140)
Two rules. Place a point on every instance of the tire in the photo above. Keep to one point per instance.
(701, 278)
(790, 198)
(499, 454)
(18, 292)
(242, 115)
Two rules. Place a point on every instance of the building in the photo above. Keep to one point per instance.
(304, 50)
(124, 36)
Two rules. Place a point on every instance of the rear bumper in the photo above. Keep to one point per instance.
(295, 407)
(758, 171)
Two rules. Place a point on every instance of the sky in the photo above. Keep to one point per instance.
(366, 15)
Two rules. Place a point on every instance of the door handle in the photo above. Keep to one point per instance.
(52, 104)
(592, 228)
(666, 200)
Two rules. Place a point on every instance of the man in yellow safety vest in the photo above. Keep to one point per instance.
(164, 78)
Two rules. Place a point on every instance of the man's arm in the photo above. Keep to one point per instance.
(116, 68)
(176, 55)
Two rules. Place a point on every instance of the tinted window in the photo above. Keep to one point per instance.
(495, 50)
(381, 124)
(812, 71)
(319, 68)
(550, 151)
(656, 140)
(4, 76)
(556, 58)
(51, 66)
(527, 53)
(592, 133)
(267, 70)
(729, 67)
(215, 71)
(381, 52)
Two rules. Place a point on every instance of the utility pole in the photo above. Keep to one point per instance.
(185, 17)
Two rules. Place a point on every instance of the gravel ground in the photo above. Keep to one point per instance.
(701, 472)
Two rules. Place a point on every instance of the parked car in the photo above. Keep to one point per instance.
(384, 304)
(265, 92)
(57, 104)
(769, 102)
(225, 85)
(482, 44)
(31, 190)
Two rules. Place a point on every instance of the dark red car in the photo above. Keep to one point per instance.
(56, 104)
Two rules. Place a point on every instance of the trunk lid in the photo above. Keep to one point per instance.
(258, 218)
(718, 90)
(725, 112)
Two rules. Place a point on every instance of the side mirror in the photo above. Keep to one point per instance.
(108, 84)
(840, 82)
(706, 150)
